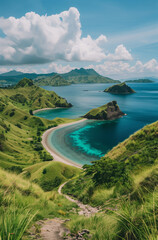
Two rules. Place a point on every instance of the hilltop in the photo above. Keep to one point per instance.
(121, 88)
(108, 111)
(28, 96)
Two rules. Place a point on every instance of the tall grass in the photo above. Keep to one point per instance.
(14, 222)
(138, 222)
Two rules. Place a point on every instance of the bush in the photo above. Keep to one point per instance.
(44, 171)
(12, 113)
(31, 112)
(38, 146)
(48, 185)
(18, 125)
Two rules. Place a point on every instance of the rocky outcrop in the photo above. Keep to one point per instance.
(108, 111)
(122, 88)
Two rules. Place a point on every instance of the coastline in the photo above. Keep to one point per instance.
(44, 109)
(56, 155)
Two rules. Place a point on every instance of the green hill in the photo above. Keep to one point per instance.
(20, 131)
(28, 96)
(121, 88)
(55, 80)
(108, 111)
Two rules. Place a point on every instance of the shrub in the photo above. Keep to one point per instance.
(18, 125)
(49, 185)
(44, 171)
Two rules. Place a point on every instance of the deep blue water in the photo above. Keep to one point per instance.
(92, 139)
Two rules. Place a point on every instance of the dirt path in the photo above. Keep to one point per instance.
(85, 210)
(54, 229)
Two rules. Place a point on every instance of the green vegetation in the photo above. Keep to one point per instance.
(123, 183)
(108, 111)
(140, 81)
(41, 173)
(55, 80)
(20, 131)
(82, 75)
(22, 201)
(121, 171)
(121, 88)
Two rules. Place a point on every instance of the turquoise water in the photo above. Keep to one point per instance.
(90, 140)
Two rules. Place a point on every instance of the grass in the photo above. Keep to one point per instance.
(101, 226)
(22, 201)
(41, 173)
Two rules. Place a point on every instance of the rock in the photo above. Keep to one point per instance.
(108, 111)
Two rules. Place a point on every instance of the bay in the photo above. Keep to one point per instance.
(90, 140)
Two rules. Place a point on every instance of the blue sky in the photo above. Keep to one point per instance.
(130, 28)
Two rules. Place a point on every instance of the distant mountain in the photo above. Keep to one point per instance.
(140, 81)
(12, 73)
(82, 75)
(13, 77)
(80, 72)
(75, 76)
(55, 80)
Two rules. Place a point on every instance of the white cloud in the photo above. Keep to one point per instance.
(121, 69)
(58, 68)
(120, 54)
(41, 39)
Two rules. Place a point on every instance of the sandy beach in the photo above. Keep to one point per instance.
(44, 109)
(56, 155)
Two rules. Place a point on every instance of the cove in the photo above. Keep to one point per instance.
(89, 140)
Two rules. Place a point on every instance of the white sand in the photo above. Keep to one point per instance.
(56, 155)
(44, 109)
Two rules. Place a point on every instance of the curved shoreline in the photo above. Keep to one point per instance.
(57, 156)
(44, 109)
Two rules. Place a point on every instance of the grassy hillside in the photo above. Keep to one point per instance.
(55, 80)
(121, 170)
(26, 95)
(20, 131)
(23, 202)
(41, 173)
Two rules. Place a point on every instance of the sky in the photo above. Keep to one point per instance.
(118, 38)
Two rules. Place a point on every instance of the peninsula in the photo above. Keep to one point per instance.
(109, 111)
(121, 88)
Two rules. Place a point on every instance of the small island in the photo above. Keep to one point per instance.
(109, 111)
(121, 88)
(140, 81)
